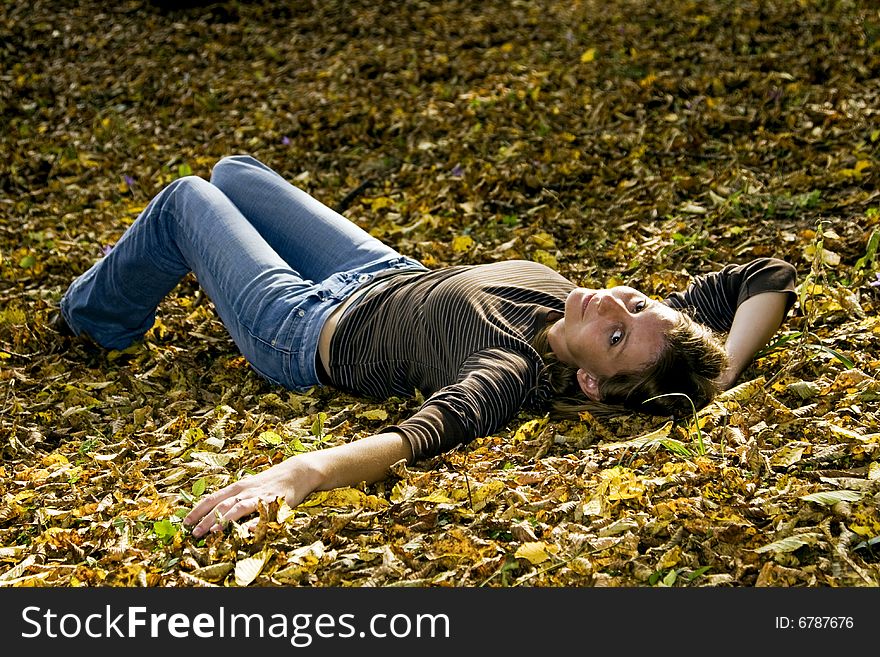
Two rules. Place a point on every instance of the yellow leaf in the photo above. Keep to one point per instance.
(787, 455)
(827, 257)
(790, 543)
(307, 555)
(381, 202)
(543, 240)
(402, 491)
(670, 559)
(461, 243)
(588, 55)
(437, 497)
(619, 483)
(619, 527)
(375, 414)
(212, 459)
(53, 458)
(743, 391)
(547, 259)
(247, 570)
(529, 430)
(486, 493)
(593, 507)
(639, 442)
(215, 572)
(344, 498)
(285, 512)
(534, 552)
(843, 432)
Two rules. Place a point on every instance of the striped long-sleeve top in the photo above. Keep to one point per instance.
(463, 337)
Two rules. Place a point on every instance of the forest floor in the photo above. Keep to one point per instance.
(627, 142)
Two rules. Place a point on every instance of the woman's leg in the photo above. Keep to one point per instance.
(192, 226)
(314, 239)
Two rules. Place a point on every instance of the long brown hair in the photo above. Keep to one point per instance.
(683, 374)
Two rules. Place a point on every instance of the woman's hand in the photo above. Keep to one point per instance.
(292, 479)
(368, 459)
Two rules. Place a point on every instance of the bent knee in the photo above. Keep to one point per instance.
(189, 185)
(229, 164)
(192, 198)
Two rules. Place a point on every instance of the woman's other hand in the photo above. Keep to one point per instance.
(366, 460)
(292, 480)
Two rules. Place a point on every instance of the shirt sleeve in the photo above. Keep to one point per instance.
(491, 389)
(713, 298)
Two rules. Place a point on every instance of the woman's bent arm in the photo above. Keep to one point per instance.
(755, 322)
(368, 459)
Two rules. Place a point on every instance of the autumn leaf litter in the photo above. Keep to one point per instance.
(622, 143)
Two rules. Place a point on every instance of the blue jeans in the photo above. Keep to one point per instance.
(274, 261)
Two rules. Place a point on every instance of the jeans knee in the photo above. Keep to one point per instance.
(227, 165)
(187, 186)
(189, 198)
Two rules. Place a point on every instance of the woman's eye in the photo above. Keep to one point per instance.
(616, 336)
(640, 306)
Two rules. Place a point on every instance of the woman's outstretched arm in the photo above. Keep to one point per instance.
(368, 459)
(755, 322)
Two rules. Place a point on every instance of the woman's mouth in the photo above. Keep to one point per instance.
(587, 298)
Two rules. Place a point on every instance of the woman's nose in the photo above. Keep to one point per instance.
(609, 305)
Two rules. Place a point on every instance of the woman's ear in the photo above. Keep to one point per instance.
(589, 384)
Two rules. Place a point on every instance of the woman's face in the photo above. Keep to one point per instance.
(604, 332)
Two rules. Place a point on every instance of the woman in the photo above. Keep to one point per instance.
(311, 299)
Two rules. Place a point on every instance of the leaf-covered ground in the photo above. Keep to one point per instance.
(629, 141)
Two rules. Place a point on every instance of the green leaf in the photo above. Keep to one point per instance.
(832, 497)
(867, 260)
(184, 170)
(165, 529)
(778, 342)
(676, 447)
(318, 424)
(670, 578)
(296, 446)
(839, 356)
(199, 487)
(27, 262)
(271, 438)
(697, 573)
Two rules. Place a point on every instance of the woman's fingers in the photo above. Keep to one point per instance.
(227, 511)
(243, 497)
(208, 504)
(219, 508)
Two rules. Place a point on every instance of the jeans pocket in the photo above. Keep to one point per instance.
(339, 286)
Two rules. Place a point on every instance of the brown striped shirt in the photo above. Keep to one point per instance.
(462, 337)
